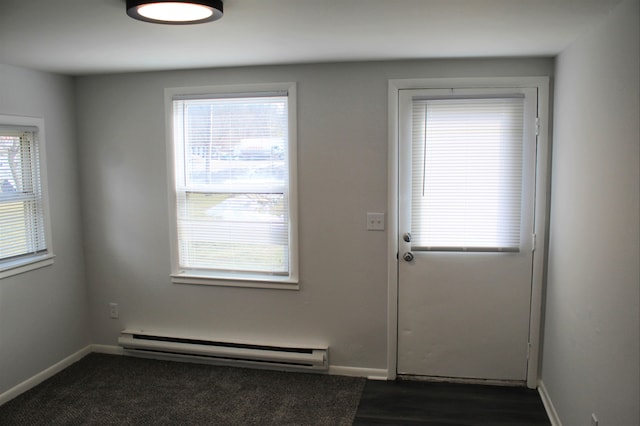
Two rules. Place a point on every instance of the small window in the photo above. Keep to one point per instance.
(24, 243)
(234, 174)
(467, 173)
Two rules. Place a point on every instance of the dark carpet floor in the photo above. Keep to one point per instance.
(116, 390)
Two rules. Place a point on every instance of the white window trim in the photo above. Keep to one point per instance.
(40, 260)
(235, 279)
(21, 266)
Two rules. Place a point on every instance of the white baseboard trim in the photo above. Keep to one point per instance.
(44, 375)
(369, 373)
(548, 405)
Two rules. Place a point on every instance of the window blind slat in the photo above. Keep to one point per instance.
(21, 208)
(467, 173)
(232, 182)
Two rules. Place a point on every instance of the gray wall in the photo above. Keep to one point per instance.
(591, 340)
(43, 313)
(342, 170)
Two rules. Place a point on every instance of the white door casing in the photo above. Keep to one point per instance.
(469, 315)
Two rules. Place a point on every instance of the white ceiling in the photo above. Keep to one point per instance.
(79, 37)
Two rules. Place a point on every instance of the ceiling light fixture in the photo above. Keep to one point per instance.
(175, 12)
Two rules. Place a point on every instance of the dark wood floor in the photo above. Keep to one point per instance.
(424, 403)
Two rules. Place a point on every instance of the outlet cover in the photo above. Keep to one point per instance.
(114, 311)
(375, 221)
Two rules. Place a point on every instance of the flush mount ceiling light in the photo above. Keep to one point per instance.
(175, 12)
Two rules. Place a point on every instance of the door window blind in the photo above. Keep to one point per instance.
(22, 229)
(467, 174)
(232, 183)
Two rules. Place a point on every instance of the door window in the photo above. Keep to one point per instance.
(467, 173)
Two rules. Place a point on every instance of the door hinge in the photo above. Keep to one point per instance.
(528, 350)
(537, 126)
(533, 242)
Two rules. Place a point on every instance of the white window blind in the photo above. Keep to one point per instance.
(232, 183)
(22, 228)
(467, 174)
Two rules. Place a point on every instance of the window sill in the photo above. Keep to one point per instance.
(21, 266)
(235, 280)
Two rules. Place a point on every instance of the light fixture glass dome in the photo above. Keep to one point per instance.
(175, 11)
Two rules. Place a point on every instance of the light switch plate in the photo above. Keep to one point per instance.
(375, 221)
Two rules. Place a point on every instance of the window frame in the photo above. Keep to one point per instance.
(529, 105)
(223, 278)
(29, 262)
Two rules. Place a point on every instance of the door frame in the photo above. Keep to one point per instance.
(541, 210)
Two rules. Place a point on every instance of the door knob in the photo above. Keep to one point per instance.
(408, 256)
(407, 237)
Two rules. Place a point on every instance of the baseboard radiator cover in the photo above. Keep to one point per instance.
(157, 345)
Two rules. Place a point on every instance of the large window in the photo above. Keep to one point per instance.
(24, 243)
(234, 179)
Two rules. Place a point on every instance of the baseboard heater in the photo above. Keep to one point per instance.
(154, 345)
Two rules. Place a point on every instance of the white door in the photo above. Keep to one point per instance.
(465, 221)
